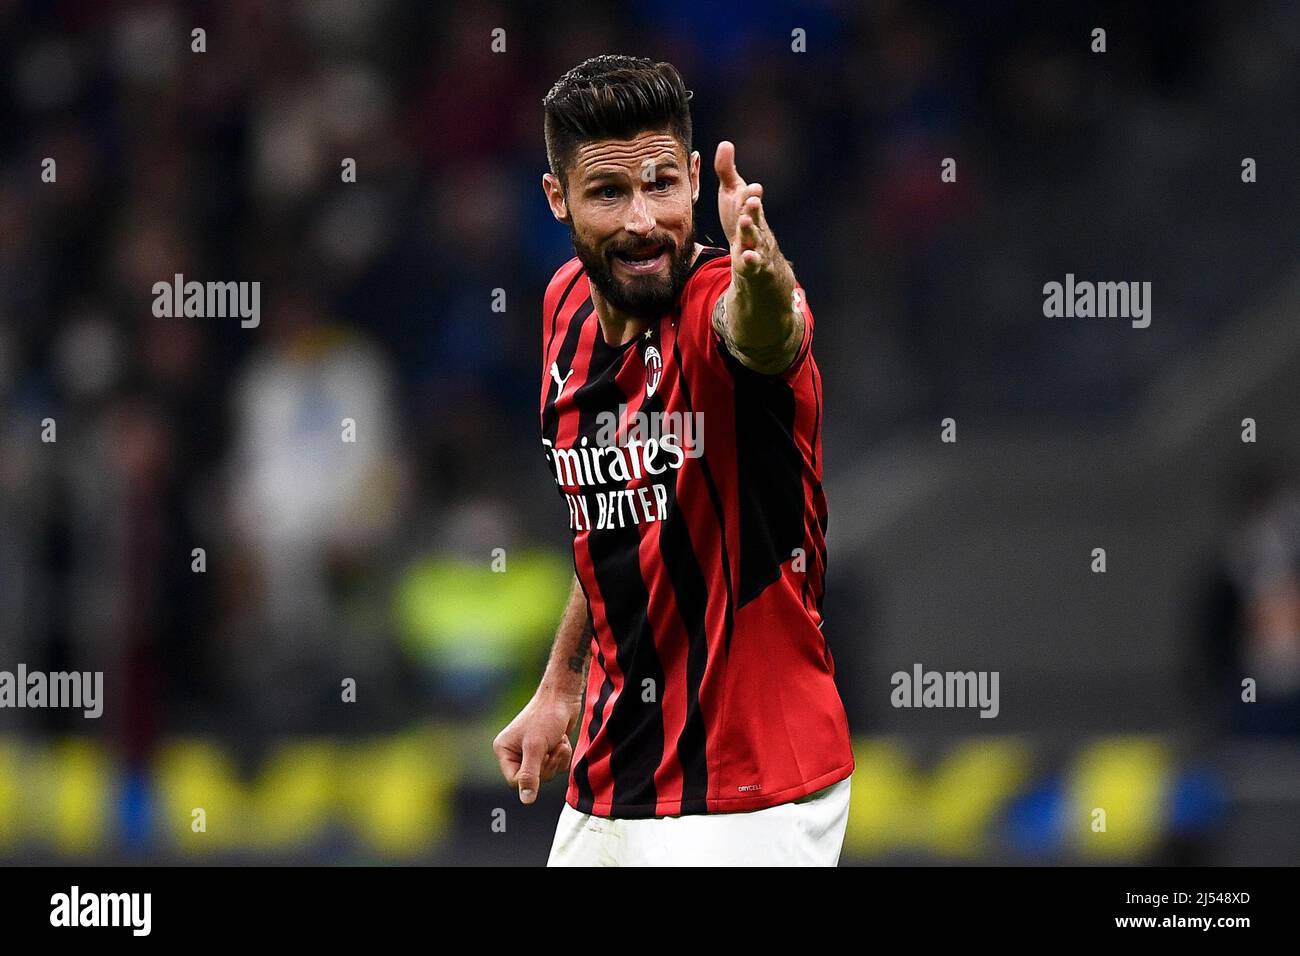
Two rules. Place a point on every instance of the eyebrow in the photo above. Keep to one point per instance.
(620, 172)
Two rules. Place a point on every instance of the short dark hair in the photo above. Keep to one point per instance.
(613, 97)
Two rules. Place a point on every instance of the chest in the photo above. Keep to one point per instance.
(618, 428)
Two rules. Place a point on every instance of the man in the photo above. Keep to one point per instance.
(681, 419)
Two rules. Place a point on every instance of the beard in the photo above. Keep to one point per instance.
(648, 296)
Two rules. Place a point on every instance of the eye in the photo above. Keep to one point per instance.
(661, 185)
(608, 192)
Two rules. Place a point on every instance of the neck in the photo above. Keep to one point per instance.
(619, 327)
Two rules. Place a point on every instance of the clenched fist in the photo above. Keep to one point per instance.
(534, 747)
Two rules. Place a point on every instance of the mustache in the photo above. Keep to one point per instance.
(630, 248)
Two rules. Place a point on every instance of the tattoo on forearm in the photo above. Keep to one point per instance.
(578, 662)
(772, 358)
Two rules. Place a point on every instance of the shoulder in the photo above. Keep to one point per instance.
(708, 283)
(561, 283)
(569, 284)
(709, 278)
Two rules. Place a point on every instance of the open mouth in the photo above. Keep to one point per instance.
(642, 261)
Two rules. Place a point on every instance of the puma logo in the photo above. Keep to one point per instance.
(555, 374)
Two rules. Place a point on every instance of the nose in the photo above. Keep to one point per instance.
(639, 221)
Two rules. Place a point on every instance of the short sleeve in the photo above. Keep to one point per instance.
(805, 344)
(695, 334)
(708, 286)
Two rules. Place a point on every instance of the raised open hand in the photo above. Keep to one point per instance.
(740, 207)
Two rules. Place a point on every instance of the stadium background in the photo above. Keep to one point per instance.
(372, 560)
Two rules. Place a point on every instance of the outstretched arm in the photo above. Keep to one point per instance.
(757, 317)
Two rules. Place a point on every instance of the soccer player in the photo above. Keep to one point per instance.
(681, 419)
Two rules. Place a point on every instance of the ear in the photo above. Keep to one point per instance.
(555, 197)
(694, 166)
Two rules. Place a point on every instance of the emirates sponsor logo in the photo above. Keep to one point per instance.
(624, 476)
(628, 447)
(581, 465)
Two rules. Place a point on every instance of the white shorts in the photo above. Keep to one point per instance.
(805, 832)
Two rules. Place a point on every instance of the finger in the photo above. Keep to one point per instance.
(529, 777)
(557, 761)
(754, 209)
(747, 232)
(548, 767)
(508, 758)
(724, 164)
(550, 763)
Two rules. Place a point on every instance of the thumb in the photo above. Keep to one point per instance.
(529, 777)
(724, 164)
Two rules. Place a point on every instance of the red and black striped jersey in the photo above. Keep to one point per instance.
(694, 494)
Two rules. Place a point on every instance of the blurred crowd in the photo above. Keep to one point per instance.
(323, 558)
(1250, 610)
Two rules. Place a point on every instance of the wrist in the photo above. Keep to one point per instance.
(562, 690)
